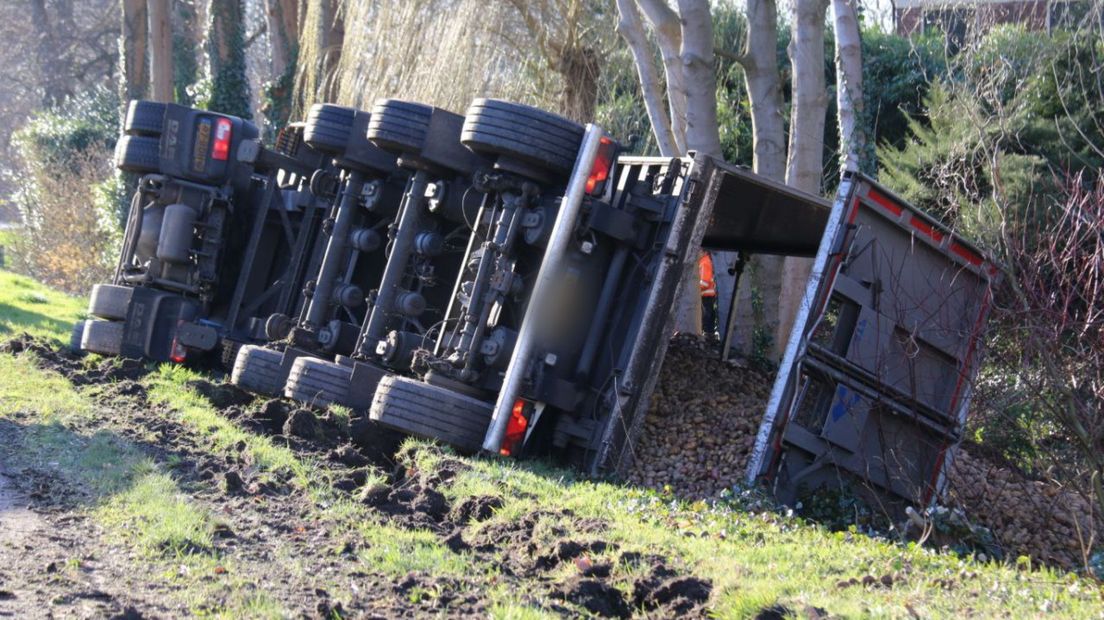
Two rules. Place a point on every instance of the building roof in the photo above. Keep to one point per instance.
(938, 4)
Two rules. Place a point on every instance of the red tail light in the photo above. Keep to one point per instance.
(178, 353)
(515, 429)
(221, 148)
(603, 162)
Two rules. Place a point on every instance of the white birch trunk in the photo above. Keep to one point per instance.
(702, 132)
(631, 28)
(667, 26)
(849, 89)
(805, 166)
(696, 54)
(762, 275)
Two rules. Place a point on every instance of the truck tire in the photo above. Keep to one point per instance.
(138, 154)
(418, 408)
(328, 127)
(259, 370)
(103, 337)
(399, 126)
(318, 382)
(538, 138)
(109, 301)
(75, 337)
(144, 118)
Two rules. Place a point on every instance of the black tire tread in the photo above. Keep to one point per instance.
(522, 138)
(430, 411)
(328, 127)
(569, 137)
(314, 381)
(144, 118)
(103, 337)
(513, 130)
(490, 144)
(399, 125)
(258, 369)
(138, 154)
(522, 110)
(109, 301)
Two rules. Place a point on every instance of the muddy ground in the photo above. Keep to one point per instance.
(58, 562)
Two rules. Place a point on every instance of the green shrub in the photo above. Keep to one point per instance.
(67, 194)
(59, 136)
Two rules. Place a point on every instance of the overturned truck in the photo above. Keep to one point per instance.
(220, 232)
(507, 281)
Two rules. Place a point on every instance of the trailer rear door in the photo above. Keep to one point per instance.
(874, 386)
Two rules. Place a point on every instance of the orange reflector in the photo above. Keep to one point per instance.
(515, 429)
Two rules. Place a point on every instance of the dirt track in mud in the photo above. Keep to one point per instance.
(57, 562)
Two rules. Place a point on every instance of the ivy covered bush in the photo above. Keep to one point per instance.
(69, 199)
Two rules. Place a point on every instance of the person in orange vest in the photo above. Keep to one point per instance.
(708, 285)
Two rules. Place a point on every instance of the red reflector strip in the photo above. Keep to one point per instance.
(927, 229)
(884, 201)
(220, 150)
(970, 257)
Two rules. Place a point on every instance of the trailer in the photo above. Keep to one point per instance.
(872, 394)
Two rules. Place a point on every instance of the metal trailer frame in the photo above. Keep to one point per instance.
(438, 176)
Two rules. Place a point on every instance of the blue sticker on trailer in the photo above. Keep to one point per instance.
(845, 399)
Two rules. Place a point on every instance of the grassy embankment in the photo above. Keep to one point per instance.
(754, 560)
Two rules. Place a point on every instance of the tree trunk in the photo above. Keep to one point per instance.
(282, 22)
(696, 55)
(668, 32)
(135, 82)
(321, 37)
(805, 167)
(334, 40)
(580, 67)
(702, 132)
(631, 28)
(226, 55)
(849, 85)
(760, 285)
(161, 50)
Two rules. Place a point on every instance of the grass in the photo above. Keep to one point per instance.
(138, 502)
(755, 559)
(129, 494)
(26, 306)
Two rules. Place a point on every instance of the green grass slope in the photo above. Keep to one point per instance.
(26, 306)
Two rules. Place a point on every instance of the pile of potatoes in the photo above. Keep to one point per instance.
(704, 416)
(702, 422)
(1039, 519)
